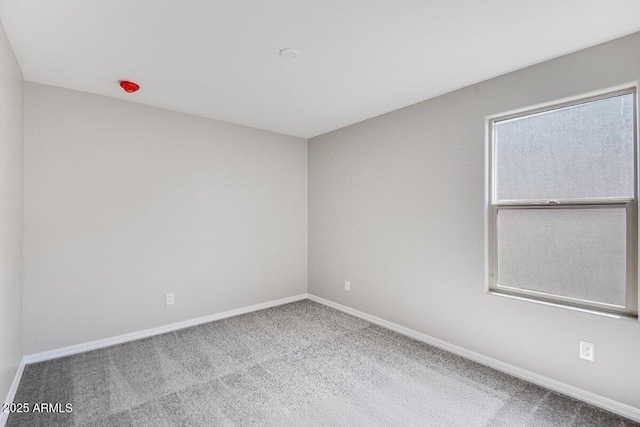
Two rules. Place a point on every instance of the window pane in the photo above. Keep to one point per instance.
(578, 253)
(582, 151)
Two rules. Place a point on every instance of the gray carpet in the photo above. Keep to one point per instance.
(301, 364)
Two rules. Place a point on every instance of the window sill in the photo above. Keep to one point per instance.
(628, 317)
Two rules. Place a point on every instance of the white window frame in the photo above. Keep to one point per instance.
(629, 204)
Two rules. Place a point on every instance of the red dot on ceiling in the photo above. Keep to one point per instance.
(128, 86)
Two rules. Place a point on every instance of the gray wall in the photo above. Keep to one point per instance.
(397, 206)
(11, 185)
(125, 202)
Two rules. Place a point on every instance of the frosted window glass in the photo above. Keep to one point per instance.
(582, 151)
(577, 253)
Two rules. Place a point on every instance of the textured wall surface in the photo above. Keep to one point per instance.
(398, 207)
(11, 213)
(124, 203)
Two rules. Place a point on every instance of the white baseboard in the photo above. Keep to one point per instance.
(577, 393)
(12, 391)
(107, 342)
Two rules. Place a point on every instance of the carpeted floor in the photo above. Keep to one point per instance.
(301, 364)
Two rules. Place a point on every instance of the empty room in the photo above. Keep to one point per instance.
(319, 213)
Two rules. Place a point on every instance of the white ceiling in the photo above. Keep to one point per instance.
(358, 58)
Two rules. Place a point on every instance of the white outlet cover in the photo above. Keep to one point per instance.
(170, 300)
(347, 286)
(587, 351)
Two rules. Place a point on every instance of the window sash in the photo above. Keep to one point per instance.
(564, 143)
(631, 298)
(493, 173)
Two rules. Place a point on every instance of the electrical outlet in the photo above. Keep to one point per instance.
(587, 351)
(169, 299)
(347, 286)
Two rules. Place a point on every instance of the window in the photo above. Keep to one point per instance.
(563, 204)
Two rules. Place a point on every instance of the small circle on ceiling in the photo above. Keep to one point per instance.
(288, 53)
